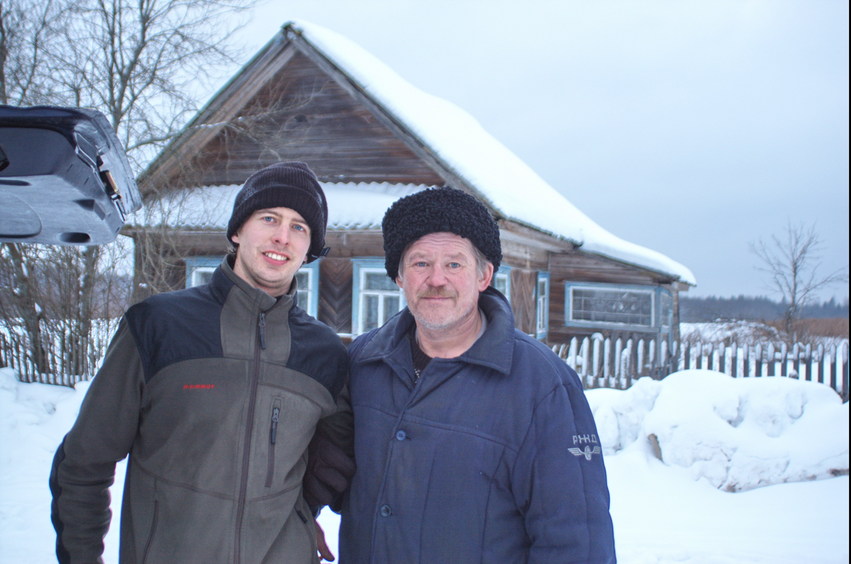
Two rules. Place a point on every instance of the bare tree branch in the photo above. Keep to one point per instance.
(792, 262)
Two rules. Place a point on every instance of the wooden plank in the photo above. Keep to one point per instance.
(523, 303)
(335, 296)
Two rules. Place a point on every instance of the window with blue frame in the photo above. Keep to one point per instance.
(542, 305)
(376, 298)
(502, 281)
(629, 307)
(307, 287)
(199, 270)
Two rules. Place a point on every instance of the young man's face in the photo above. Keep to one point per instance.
(442, 281)
(273, 244)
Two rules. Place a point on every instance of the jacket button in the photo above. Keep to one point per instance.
(401, 435)
(385, 511)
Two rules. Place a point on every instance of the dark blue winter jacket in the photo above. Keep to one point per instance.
(492, 457)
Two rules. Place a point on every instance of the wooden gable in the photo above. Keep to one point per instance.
(290, 103)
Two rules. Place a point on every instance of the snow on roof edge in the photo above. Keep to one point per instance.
(479, 158)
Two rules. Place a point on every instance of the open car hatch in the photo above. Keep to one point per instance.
(64, 177)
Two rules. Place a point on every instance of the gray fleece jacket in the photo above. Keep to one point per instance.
(215, 393)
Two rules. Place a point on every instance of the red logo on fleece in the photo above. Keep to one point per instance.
(198, 386)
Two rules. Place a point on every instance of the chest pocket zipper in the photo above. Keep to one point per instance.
(273, 438)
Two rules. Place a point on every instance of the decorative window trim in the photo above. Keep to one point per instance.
(542, 305)
(654, 292)
(361, 267)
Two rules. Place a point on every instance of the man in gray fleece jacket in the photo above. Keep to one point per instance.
(215, 392)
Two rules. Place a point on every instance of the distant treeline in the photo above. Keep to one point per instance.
(696, 310)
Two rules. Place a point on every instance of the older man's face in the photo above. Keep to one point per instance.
(442, 280)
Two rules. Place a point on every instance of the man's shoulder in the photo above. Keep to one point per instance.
(532, 349)
(307, 327)
(188, 303)
(531, 353)
(357, 345)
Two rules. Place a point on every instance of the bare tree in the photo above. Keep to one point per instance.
(144, 64)
(792, 262)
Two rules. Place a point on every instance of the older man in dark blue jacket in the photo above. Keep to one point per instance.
(473, 441)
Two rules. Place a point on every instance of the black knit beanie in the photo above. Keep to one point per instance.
(289, 185)
(438, 210)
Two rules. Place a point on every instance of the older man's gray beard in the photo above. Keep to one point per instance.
(424, 320)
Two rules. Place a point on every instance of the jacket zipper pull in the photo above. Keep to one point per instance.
(261, 326)
(273, 432)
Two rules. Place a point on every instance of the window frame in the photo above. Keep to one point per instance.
(542, 305)
(312, 290)
(655, 292)
(503, 273)
(361, 267)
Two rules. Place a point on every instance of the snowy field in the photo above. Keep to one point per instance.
(702, 469)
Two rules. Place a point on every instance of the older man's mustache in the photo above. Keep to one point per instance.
(434, 294)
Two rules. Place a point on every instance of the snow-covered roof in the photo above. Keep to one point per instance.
(350, 205)
(513, 189)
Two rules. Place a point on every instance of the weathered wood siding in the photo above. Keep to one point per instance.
(335, 294)
(523, 282)
(302, 113)
(355, 244)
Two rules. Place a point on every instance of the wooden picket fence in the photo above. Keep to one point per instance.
(68, 363)
(616, 362)
(601, 362)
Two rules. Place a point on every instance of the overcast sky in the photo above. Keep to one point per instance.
(694, 128)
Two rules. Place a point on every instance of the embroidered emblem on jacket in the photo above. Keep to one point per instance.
(587, 453)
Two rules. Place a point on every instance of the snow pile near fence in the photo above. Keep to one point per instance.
(738, 434)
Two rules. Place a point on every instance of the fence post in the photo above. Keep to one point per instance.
(784, 359)
(809, 362)
(771, 359)
(664, 357)
(572, 352)
(843, 354)
(836, 366)
(630, 364)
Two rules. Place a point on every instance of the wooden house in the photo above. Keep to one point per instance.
(371, 137)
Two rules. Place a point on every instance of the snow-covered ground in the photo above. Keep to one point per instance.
(677, 450)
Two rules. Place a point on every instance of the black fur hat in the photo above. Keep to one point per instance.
(438, 210)
(289, 185)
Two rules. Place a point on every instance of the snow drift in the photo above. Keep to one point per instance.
(738, 434)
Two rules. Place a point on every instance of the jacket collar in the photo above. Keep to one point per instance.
(493, 350)
(225, 279)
